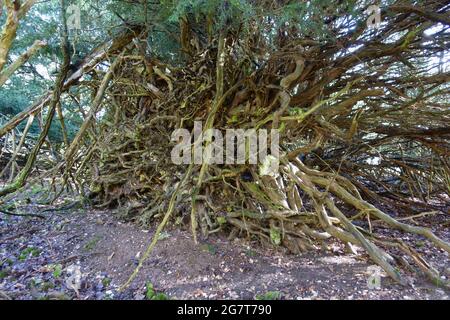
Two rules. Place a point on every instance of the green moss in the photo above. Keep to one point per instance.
(47, 286)
(35, 189)
(420, 244)
(56, 270)
(221, 220)
(27, 252)
(3, 274)
(209, 248)
(106, 282)
(275, 236)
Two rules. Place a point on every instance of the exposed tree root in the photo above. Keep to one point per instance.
(362, 143)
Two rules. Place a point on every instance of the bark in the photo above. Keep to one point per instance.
(14, 12)
(7, 73)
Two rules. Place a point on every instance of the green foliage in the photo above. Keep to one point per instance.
(35, 189)
(221, 220)
(270, 295)
(29, 252)
(163, 235)
(106, 282)
(151, 294)
(294, 111)
(57, 270)
(46, 286)
(225, 12)
(102, 20)
(3, 274)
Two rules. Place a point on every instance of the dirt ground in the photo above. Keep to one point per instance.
(38, 256)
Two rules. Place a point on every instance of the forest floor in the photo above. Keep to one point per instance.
(37, 256)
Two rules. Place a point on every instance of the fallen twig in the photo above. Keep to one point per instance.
(9, 213)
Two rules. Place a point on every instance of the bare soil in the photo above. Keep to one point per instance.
(37, 254)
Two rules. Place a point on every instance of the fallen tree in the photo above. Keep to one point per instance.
(362, 116)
